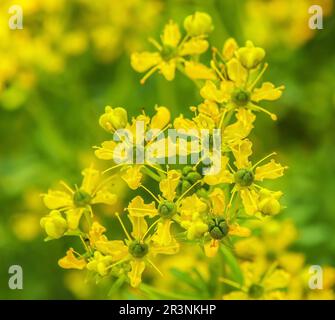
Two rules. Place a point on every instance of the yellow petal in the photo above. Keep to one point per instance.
(138, 208)
(57, 199)
(169, 184)
(236, 72)
(267, 92)
(229, 48)
(185, 124)
(276, 280)
(171, 34)
(106, 151)
(250, 200)
(194, 46)
(224, 176)
(242, 150)
(211, 248)
(237, 230)
(104, 196)
(96, 232)
(218, 201)
(116, 249)
(71, 262)
(90, 180)
(168, 69)
(135, 275)
(161, 119)
(210, 92)
(73, 217)
(271, 170)
(241, 128)
(163, 234)
(139, 228)
(196, 70)
(133, 177)
(143, 61)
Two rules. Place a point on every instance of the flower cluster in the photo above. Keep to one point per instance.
(188, 205)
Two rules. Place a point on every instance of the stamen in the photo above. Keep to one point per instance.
(155, 44)
(66, 186)
(148, 74)
(147, 190)
(155, 267)
(263, 159)
(258, 77)
(123, 226)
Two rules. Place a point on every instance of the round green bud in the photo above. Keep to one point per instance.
(167, 209)
(81, 198)
(185, 185)
(218, 228)
(244, 177)
(255, 291)
(186, 170)
(198, 24)
(137, 249)
(193, 177)
(241, 97)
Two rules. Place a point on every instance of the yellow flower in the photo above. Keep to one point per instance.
(200, 23)
(245, 179)
(75, 202)
(146, 141)
(221, 223)
(100, 263)
(142, 247)
(71, 262)
(54, 224)
(259, 283)
(240, 72)
(173, 51)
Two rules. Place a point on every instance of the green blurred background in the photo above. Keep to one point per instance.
(72, 58)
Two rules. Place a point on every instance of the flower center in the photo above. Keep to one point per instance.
(167, 209)
(137, 249)
(218, 228)
(244, 177)
(168, 53)
(255, 291)
(241, 97)
(81, 198)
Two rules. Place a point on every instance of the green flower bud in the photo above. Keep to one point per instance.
(256, 291)
(167, 209)
(81, 198)
(186, 170)
(244, 177)
(241, 97)
(137, 249)
(198, 24)
(193, 177)
(185, 185)
(218, 228)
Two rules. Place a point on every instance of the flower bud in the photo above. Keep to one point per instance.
(161, 119)
(137, 249)
(113, 119)
(54, 224)
(269, 206)
(200, 23)
(250, 56)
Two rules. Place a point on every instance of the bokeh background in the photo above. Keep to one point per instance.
(72, 58)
